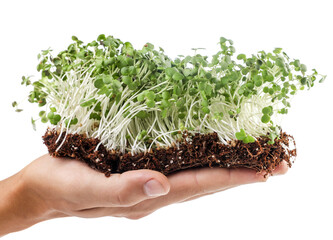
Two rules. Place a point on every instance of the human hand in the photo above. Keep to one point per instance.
(55, 187)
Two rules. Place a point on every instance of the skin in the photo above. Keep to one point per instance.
(54, 187)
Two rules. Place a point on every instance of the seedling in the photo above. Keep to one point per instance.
(135, 100)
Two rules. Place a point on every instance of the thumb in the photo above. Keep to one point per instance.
(132, 187)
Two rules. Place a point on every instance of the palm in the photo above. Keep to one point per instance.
(74, 188)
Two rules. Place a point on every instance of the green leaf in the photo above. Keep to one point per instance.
(176, 90)
(241, 56)
(41, 113)
(224, 65)
(303, 81)
(181, 115)
(134, 85)
(95, 116)
(108, 62)
(150, 95)
(44, 119)
(56, 118)
(193, 91)
(180, 103)
(115, 84)
(118, 97)
(127, 80)
(268, 78)
(187, 72)
(322, 79)
(74, 121)
(265, 118)
(141, 97)
(303, 68)
(202, 86)
(107, 79)
(218, 115)
(283, 111)
(286, 103)
(208, 90)
(101, 37)
(150, 103)
(204, 103)
(279, 62)
(132, 70)
(277, 50)
(258, 83)
(205, 110)
(164, 113)
(223, 39)
(142, 114)
(170, 72)
(165, 103)
(177, 76)
(125, 71)
(99, 83)
(249, 139)
(127, 49)
(103, 90)
(99, 63)
(88, 103)
(50, 115)
(166, 95)
(240, 135)
(266, 110)
(149, 46)
(297, 63)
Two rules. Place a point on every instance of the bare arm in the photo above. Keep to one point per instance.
(19, 207)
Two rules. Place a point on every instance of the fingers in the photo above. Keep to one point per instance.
(211, 180)
(206, 180)
(185, 186)
(280, 170)
(191, 184)
(128, 188)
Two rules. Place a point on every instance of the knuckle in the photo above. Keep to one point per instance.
(120, 199)
(121, 196)
(197, 188)
(229, 178)
(125, 199)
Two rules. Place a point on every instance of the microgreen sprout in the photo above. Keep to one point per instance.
(135, 100)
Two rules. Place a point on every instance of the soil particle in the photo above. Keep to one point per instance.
(198, 150)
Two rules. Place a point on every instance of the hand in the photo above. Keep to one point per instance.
(54, 187)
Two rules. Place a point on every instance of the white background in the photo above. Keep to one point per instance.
(295, 206)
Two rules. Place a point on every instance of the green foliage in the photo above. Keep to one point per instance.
(186, 87)
(241, 135)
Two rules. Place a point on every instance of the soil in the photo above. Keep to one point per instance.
(199, 150)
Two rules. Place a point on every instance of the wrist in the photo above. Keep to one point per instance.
(20, 206)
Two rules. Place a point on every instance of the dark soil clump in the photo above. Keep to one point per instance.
(199, 150)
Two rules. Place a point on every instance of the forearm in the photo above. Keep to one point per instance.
(20, 208)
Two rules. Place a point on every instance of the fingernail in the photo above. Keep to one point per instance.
(154, 189)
